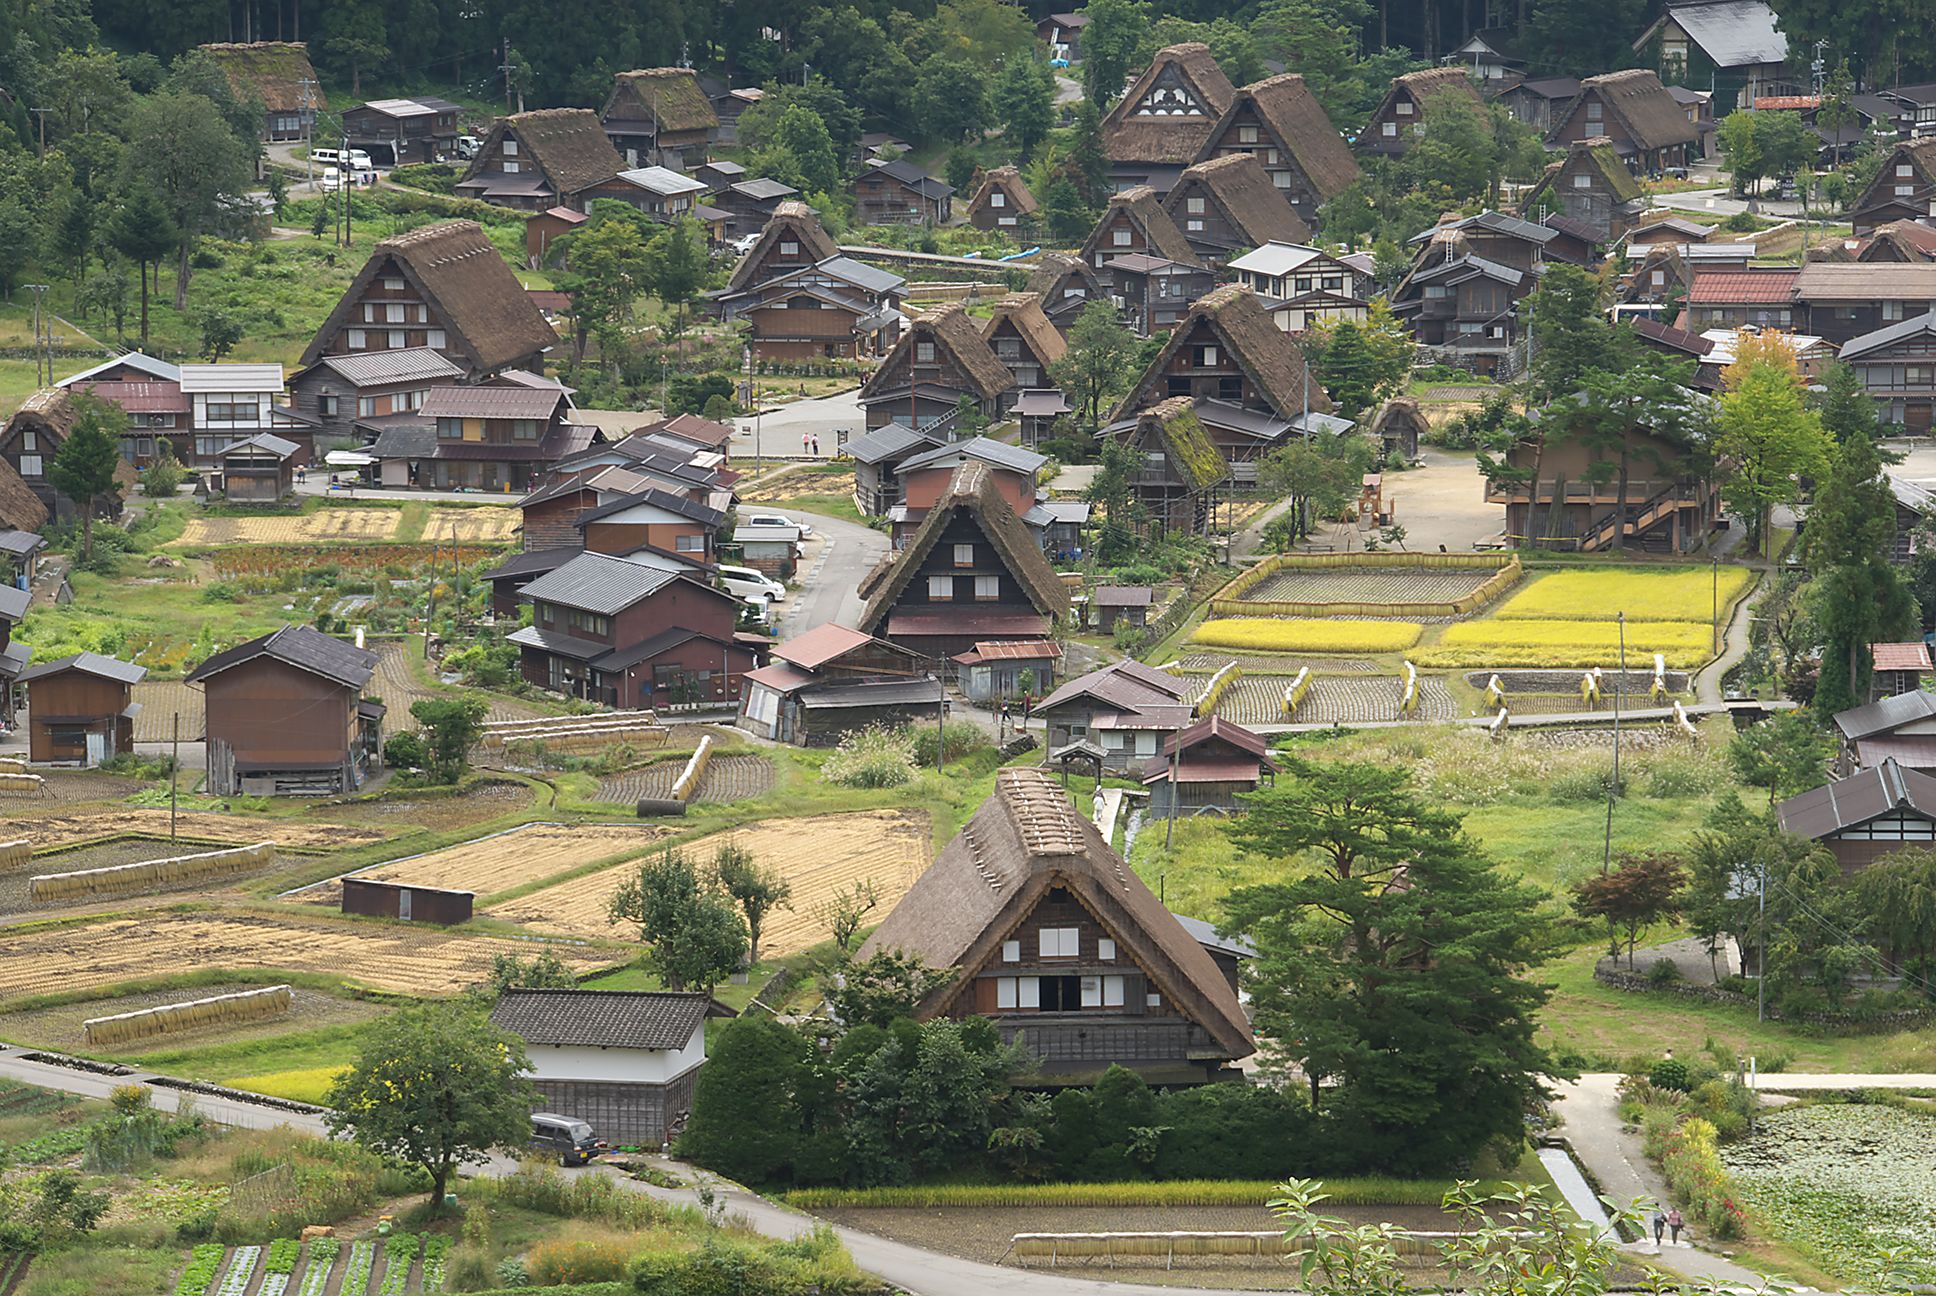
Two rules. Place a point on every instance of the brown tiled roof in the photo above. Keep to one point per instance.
(272, 72)
(1024, 311)
(1295, 116)
(1913, 656)
(1727, 287)
(1638, 99)
(669, 94)
(1264, 351)
(1023, 840)
(1021, 201)
(464, 279)
(1172, 141)
(1238, 184)
(789, 216)
(568, 145)
(972, 489)
(1675, 339)
(1144, 209)
(954, 331)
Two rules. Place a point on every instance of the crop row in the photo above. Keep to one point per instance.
(436, 1254)
(356, 1277)
(204, 1262)
(322, 1257)
(398, 1254)
(241, 1269)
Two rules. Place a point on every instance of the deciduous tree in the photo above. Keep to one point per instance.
(1023, 101)
(756, 890)
(696, 938)
(874, 991)
(83, 468)
(1099, 365)
(1787, 753)
(1639, 891)
(451, 727)
(1109, 44)
(182, 149)
(1319, 475)
(1766, 433)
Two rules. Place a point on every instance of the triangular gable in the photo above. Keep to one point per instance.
(955, 334)
(1009, 181)
(1263, 351)
(1238, 189)
(1285, 109)
(796, 219)
(1140, 207)
(1167, 113)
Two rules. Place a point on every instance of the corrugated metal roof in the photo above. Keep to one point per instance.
(1857, 799)
(1907, 750)
(986, 449)
(821, 645)
(1889, 713)
(1732, 33)
(885, 442)
(231, 378)
(159, 369)
(918, 692)
(598, 583)
(107, 668)
(662, 180)
(1888, 335)
(410, 364)
(491, 402)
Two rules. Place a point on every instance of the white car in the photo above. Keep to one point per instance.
(762, 605)
(776, 519)
(332, 180)
(744, 243)
(753, 579)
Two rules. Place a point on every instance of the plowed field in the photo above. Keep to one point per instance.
(818, 856)
(408, 960)
(325, 526)
(479, 525)
(511, 859)
(49, 831)
(1259, 700)
(63, 785)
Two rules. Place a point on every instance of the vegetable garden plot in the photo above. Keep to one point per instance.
(506, 860)
(398, 684)
(482, 524)
(1370, 585)
(727, 778)
(818, 856)
(325, 526)
(49, 832)
(408, 960)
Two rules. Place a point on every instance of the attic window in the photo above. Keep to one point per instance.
(1905, 169)
(1119, 237)
(998, 199)
(924, 352)
(392, 283)
(1246, 134)
(1060, 942)
(964, 555)
(510, 147)
(789, 247)
(1404, 108)
(1195, 206)
(511, 168)
(1011, 951)
(1391, 130)
(1582, 182)
(1593, 110)
(1106, 950)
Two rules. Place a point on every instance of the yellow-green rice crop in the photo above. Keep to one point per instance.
(1603, 593)
(310, 1084)
(1493, 642)
(1265, 634)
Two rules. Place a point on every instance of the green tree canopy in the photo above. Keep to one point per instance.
(1766, 434)
(1099, 365)
(83, 468)
(695, 936)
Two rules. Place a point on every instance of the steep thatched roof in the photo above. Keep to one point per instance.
(454, 265)
(1145, 211)
(1593, 157)
(1054, 269)
(568, 144)
(1238, 186)
(1397, 411)
(1900, 241)
(1424, 88)
(1264, 352)
(20, 508)
(1023, 313)
(1168, 140)
(1638, 100)
(955, 334)
(789, 219)
(973, 490)
(670, 95)
(270, 72)
(1009, 180)
(1173, 423)
(984, 884)
(1293, 114)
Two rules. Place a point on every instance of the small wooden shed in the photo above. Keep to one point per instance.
(406, 901)
(1215, 760)
(259, 470)
(1111, 605)
(1399, 425)
(81, 709)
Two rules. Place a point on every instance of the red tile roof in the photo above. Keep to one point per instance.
(821, 645)
(1901, 656)
(1727, 287)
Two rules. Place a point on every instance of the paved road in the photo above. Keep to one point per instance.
(778, 431)
(1720, 203)
(223, 1111)
(840, 554)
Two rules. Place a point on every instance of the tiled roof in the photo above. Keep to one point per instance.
(660, 1020)
(1728, 287)
(107, 668)
(1913, 656)
(302, 647)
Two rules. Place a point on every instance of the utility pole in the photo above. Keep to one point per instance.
(1613, 789)
(1176, 758)
(174, 776)
(308, 86)
(940, 724)
(41, 378)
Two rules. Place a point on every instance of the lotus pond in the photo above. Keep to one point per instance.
(1852, 1187)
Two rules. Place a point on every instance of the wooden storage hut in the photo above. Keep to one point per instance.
(81, 709)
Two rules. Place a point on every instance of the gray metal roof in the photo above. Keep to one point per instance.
(409, 364)
(1497, 222)
(303, 647)
(158, 369)
(986, 449)
(269, 442)
(1911, 495)
(662, 180)
(872, 279)
(13, 603)
(769, 534)
(1205, 934)
(552, 641)
(762, 189)
(921, 692)
(492, 402)
(885, 442)
(598, 583)
(21, 543)
(1732, 33)
(108, 668)
(1890, 713)
(703, 514)
(1833, 807)
(1889, 334)
(657, 1020)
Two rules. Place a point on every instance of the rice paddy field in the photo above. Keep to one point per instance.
(1683, 594)
(817, 856)
(324, 526)
(508, 860)
(59, 1026)
(1568, 643)
(1351, 699)
(1292, 635)
(1370, 585)
(49, 832)
(476, 524)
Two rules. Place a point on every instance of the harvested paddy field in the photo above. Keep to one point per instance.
(59, 1027)
(398, 682)
(64, 786)
(479, 524)
(1259, 700)
(394, 814)
(817, 856)
(1274, 664)
(508, 860)
(325, 526)
(388, 956)
(161, 701)
(14, 897)
(48, 832)
(728, 778)
(1371, 585)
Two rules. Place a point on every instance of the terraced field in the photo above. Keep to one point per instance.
(499, 863)
(818, 856)
(728, 778)
(397, 957)
(398, 683)
(1259, 700)
(48, 832)
(1277, 664)
(14, 897)
(1371, 585)
(325, 526)
(60, 787)
(479, 524)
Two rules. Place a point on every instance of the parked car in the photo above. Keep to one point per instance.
(775, 519)
(759, 606)
(325, 156)
(332, 180)
(747, 591)
(754, 577)
(567, 1136)
(467, 146)
(744, 243)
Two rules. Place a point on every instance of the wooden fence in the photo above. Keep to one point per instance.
(1230, 600)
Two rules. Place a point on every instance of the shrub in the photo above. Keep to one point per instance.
(1269, 635)
(221, 592)
(577, 1260)
(1663, 973)
(1670, 1073)
(873, 758)
(1691, 1161)
(959, 738)
(404, 751)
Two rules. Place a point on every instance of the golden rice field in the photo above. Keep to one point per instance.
(47, 832)
(1266, 634)
(1602, 594)
(817, 856)
(325, 526)
(492, 865)
(1493, 642)
(481, 524)
(386, 956)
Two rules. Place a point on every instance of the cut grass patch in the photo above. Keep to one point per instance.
(1179, 1192)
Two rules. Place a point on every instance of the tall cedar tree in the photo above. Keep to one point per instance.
(180, 146)
(1643, 889)
(83, 467)
(435, 1086)
(1858, 595)
(1767, 434)
(1394, 954)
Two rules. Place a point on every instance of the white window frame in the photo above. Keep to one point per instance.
(1106, 950)
(1058, 942)
(988, 589)
(30, 465)
(1092, 992)
(964, 555)
(359, 340)
(1112, 991)
(1119, 238)
(1011, 951)
(941, 589)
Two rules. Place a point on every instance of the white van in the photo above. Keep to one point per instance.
(776, 519)
(332, 180)
(762, 605)
(325, 156)
(467, 146)
(753, 579)
(360, 160)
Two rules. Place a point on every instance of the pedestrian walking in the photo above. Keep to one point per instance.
(816, 445)
(806, 443)
(1660, 1227)
(1674, 1223)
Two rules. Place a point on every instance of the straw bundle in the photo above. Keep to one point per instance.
(20, 782)
(161, 872)
(689, 779)
(15, 853)
(217, 1010)
(12, 765)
